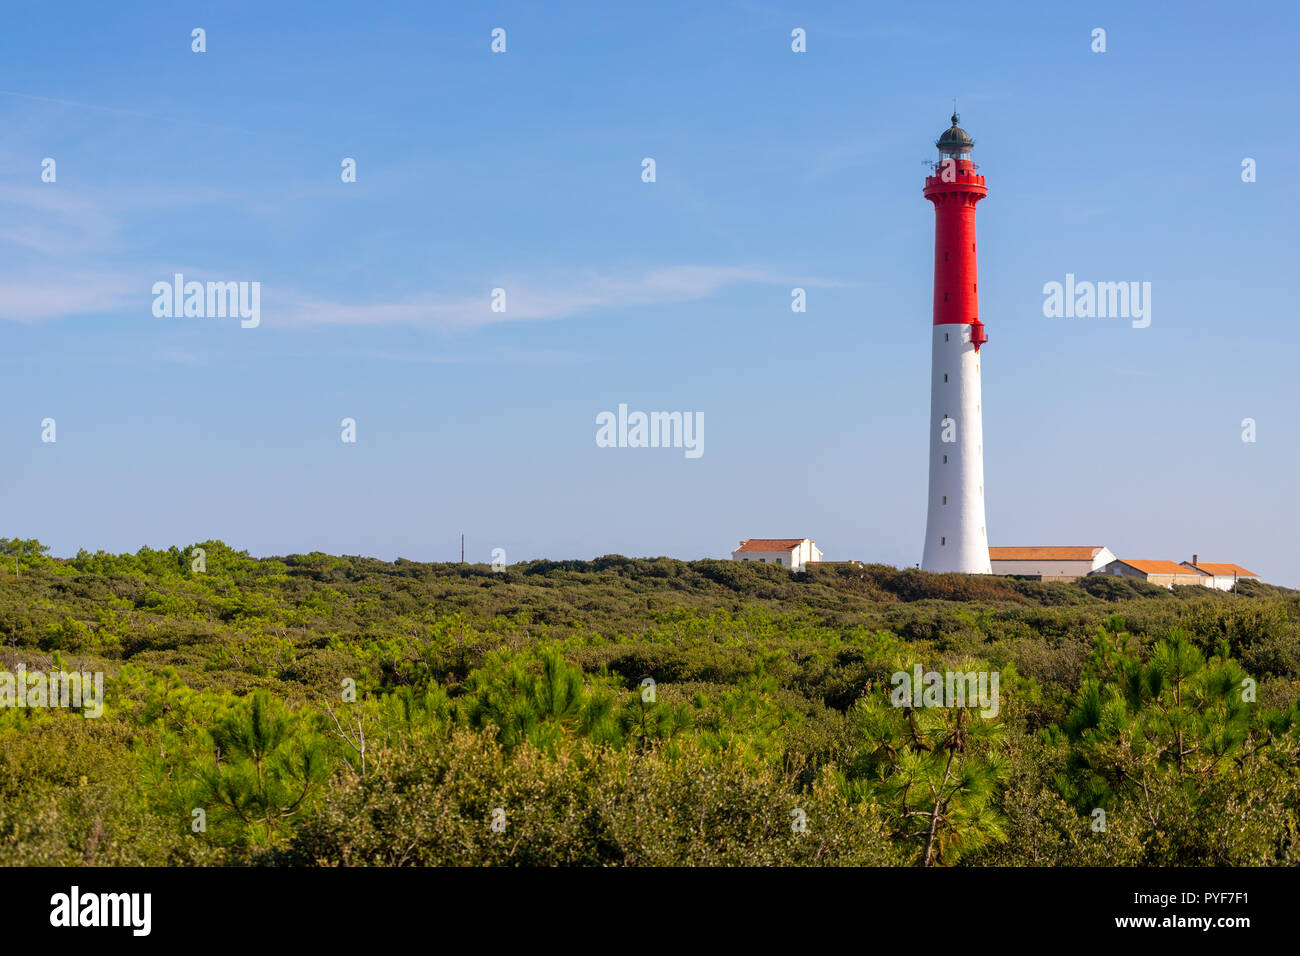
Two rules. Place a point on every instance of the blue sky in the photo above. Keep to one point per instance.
(522, 171)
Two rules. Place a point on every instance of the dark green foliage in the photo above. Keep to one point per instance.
(324, 709)
(1119, 588)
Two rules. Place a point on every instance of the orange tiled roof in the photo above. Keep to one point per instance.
(769, 545)
(1158, 567)
(1086, 553)
(1223, 569)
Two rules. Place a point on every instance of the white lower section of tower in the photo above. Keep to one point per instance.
(955, 536)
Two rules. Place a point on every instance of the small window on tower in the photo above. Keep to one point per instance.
(943, 540)
(945, 336)
(945, 459)
(945, 297)
(945, 257)
(945, 499)
(945, 376)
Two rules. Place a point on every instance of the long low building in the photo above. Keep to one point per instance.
(1050, 563)
(1167, 574)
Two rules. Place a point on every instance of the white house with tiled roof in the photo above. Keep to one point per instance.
(1050, 563)
(1222, 576)
(792, 553)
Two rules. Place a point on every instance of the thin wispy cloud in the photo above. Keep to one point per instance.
(59, 296)
(529, 301)
(116, 111)
(52, 221)
(540, 356)
(65, 295)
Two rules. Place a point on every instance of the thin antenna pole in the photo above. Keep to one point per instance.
(462, 548)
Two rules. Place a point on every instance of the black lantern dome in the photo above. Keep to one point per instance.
(954, 139)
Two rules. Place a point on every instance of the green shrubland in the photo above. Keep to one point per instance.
(324, 710)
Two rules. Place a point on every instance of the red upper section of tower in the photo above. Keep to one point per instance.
(954, 189)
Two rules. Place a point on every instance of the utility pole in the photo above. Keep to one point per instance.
(462, 548)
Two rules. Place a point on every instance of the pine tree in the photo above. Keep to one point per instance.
(1175, 713)
(266, 762)
(936, 771)
(525, 705)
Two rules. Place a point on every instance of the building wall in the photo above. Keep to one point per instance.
(1226, 582)
(1123, 570)
(1169, 580)
(770, 557)
(1049, 570)
(808, 551)
(955, 535)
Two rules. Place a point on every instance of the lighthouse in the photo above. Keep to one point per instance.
(955, 536)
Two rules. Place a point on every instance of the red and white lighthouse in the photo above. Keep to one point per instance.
(955, 536)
